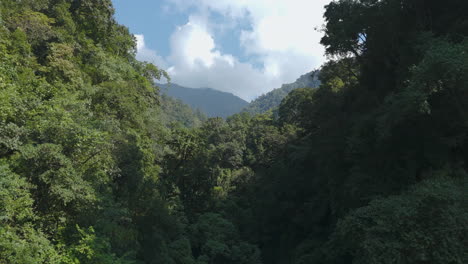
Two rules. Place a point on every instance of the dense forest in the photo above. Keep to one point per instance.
(370, 167)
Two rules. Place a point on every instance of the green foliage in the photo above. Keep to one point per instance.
(81, 136)
(423, 225)
(15, 199)
(272, 99)
(20, 241)
(174, 110)
(93, 249)
(216, 241)
(26, 245)
(36, 25)
(294, 109)
(370, 167)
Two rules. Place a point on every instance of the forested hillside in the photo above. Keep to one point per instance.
(211, 102)
(272, 99)
(173, 110)
(370, 167)
(81, 141)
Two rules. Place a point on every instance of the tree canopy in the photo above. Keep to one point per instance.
(96, 166)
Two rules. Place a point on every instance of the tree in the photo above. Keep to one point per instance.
(422, 225)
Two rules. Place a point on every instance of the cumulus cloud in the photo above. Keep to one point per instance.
(196, 62)
(146, 54)
(276, 25)
(281, 37)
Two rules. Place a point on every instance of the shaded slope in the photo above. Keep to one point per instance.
(174, 110)
(210, 101)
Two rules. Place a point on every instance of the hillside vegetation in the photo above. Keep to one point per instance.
(370, 167)
(272, 99)
(173, 110)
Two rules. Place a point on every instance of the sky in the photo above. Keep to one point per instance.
(245, 47)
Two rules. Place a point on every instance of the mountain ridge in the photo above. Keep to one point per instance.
(212, 102)
(273, 99)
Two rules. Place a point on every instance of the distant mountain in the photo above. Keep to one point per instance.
(174, 110)
(273, 99)
(211, 102)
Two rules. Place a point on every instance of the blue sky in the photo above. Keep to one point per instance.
(245, 47)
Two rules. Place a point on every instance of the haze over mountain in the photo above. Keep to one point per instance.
(273, 99)
(173, 110)
(211, 102)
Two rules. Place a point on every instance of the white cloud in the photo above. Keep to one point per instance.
(193, 46)
(281, 36)
(277, 25)
(196, 62)
(146, 54)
